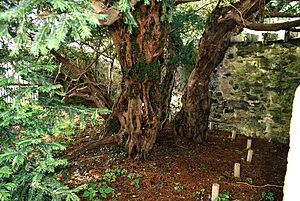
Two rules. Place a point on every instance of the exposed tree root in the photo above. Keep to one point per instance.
(263, 186)
(140, 118)
(90, 146)
(138, 108)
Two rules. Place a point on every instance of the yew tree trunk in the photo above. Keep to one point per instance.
(138, 107)
(168, 78)
(193, 118)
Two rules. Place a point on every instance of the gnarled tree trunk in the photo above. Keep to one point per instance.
(138, 107)
(193, 118)
(136, 115)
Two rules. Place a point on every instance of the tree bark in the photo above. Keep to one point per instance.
(168, 78)
(138, 107)
(136, 115)
(193, 118)
(89, 90)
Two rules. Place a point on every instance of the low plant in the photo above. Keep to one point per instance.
(27, 171)
(223, 196)
(112, 174)
(96, 192)
(101, 189)
(136, 178)
(114, 157)
(267, 196)
(199, 194)
(27, 157)
(249, 180)
(28, 143)
(178, 187)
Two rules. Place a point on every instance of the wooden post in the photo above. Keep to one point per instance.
(237, 170)
(233, 135)
(215, 191)
(249, 142)
(249, 155)
(210, 125)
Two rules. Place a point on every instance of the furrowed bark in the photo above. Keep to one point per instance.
(193, 118)
(138, 108)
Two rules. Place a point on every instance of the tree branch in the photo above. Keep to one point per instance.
(261, 10)
(294, 30)
(177, 2)
(263, 186)
(65, 62)
(263, 26)
(113, 14)
(218, 4)
(90, 146)
(283, 14)
(98, 96)
(272, 26)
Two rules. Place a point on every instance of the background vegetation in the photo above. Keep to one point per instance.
(70, 77)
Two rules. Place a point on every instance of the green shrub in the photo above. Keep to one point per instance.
(135, 179)
(224, 197)
(101, 190)
(27, 163)
(267, 196)
(28, 144)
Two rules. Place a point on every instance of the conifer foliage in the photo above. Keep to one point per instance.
(29, 130)
(32, 30)
(39, 26)
(30, 124)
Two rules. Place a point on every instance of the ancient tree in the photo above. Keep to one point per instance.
(137, 112)
(225, 22)
(138, 108)
(140, 33)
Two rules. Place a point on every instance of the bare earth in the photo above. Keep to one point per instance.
(178, 169)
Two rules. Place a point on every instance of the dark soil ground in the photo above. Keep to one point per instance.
(178, 169)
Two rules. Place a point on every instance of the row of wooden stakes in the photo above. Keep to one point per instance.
(237, 167)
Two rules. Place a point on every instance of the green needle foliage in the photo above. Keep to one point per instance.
(32, 122)
(40, 26)
(29, 127)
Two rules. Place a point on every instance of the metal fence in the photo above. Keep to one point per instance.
(10, 91)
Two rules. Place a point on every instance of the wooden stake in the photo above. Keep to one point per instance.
(249, 142)
(210, 125)
(233, 135)
(237, 170)
(250, 155)
(215, 191)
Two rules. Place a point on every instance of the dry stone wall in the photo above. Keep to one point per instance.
(254, 87)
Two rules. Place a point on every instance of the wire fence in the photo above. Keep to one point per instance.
(9, 92)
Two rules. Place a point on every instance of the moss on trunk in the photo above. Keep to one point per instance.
(138, 107)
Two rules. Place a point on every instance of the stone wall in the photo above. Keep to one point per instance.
(253, 89)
